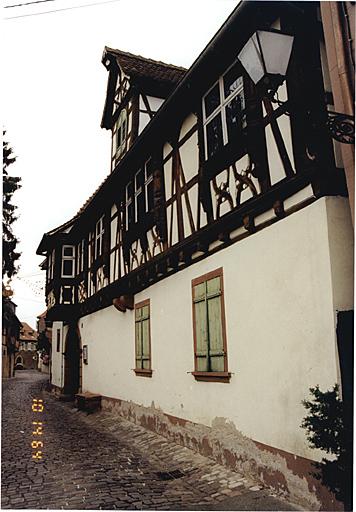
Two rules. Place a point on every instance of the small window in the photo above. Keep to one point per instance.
(80, 257)
(149, 192)
(209, 328)
(120, 136)
(142, 339)
(99, 236)
(129, 206)
(139, 195)
(224, 112)
(68, 261)
(50, 271)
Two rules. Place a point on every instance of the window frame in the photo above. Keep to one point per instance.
(221, 108)
(220, 376)
(50, 266)
(68, 258)
(99, 236)
(80, 257)
(119, 146)
(139, 192)
(144, 372)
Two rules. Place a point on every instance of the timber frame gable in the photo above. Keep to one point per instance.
(218, 162)
(136, 89)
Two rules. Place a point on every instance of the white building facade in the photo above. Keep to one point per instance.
(199, 290)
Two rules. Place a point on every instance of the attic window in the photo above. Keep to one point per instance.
(224, 111)
(68, 260)
(120, 136)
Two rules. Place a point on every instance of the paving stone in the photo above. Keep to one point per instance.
(99, 461)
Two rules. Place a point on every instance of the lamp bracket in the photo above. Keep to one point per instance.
(341, 127)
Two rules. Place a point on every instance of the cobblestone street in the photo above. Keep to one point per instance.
(101, 462)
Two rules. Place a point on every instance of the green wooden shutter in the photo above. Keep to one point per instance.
(216, 341)
(201, 324)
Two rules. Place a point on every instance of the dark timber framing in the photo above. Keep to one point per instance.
(129, 263)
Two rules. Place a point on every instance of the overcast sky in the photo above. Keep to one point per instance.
(54, 89)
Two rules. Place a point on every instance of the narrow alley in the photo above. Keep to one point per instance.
(101, 462)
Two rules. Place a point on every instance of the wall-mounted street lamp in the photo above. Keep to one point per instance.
(266, 56)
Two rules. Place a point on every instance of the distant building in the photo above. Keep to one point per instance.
(11, 326)
(26, 358)
(44, 343)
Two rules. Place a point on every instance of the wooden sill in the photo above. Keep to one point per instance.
(212, 376)
(143, 372)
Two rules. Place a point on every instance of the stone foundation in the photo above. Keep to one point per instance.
(222, 442)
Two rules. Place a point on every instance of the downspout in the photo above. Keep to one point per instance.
(341, 67)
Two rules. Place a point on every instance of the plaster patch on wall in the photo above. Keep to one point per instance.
(224, 443)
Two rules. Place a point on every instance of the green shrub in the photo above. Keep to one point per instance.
(329, 428)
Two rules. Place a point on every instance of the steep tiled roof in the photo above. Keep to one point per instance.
(27, 333)
(142, 67)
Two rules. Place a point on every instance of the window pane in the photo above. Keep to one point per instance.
(214, 135)
(235, 118)
(212, 100)
(149, 167)
(129, 190)
(232, 80)
(150, 197)
(140, 206)
(67, 268)
(139, 180)
(68, 251)
(130, 214)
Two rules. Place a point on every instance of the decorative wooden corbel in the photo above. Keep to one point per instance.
(224, 237)
(278, 207)
(249, 223)
(123, 303)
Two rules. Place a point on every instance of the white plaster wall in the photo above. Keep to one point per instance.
(187, 124)
(57, 357)
(279, 307)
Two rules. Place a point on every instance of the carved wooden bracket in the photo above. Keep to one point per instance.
(279, 209)
(249, 223)
(123, 303)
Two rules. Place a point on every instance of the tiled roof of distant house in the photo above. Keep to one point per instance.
(27, 333)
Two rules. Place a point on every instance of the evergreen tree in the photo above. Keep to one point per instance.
(329, 428)
(10, 185)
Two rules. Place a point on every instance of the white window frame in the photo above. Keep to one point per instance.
(128, 201)
(137, 192)
(80, 257)
(148, 180)
(220, 108)
(51, 265)
(119, 146)
(99, 235)
(68, 258)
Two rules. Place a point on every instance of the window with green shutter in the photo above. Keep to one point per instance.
(209, 327)
(143, 339)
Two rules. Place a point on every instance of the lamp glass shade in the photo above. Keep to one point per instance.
(266, 53)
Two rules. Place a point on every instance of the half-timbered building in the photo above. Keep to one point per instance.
(199, 289)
